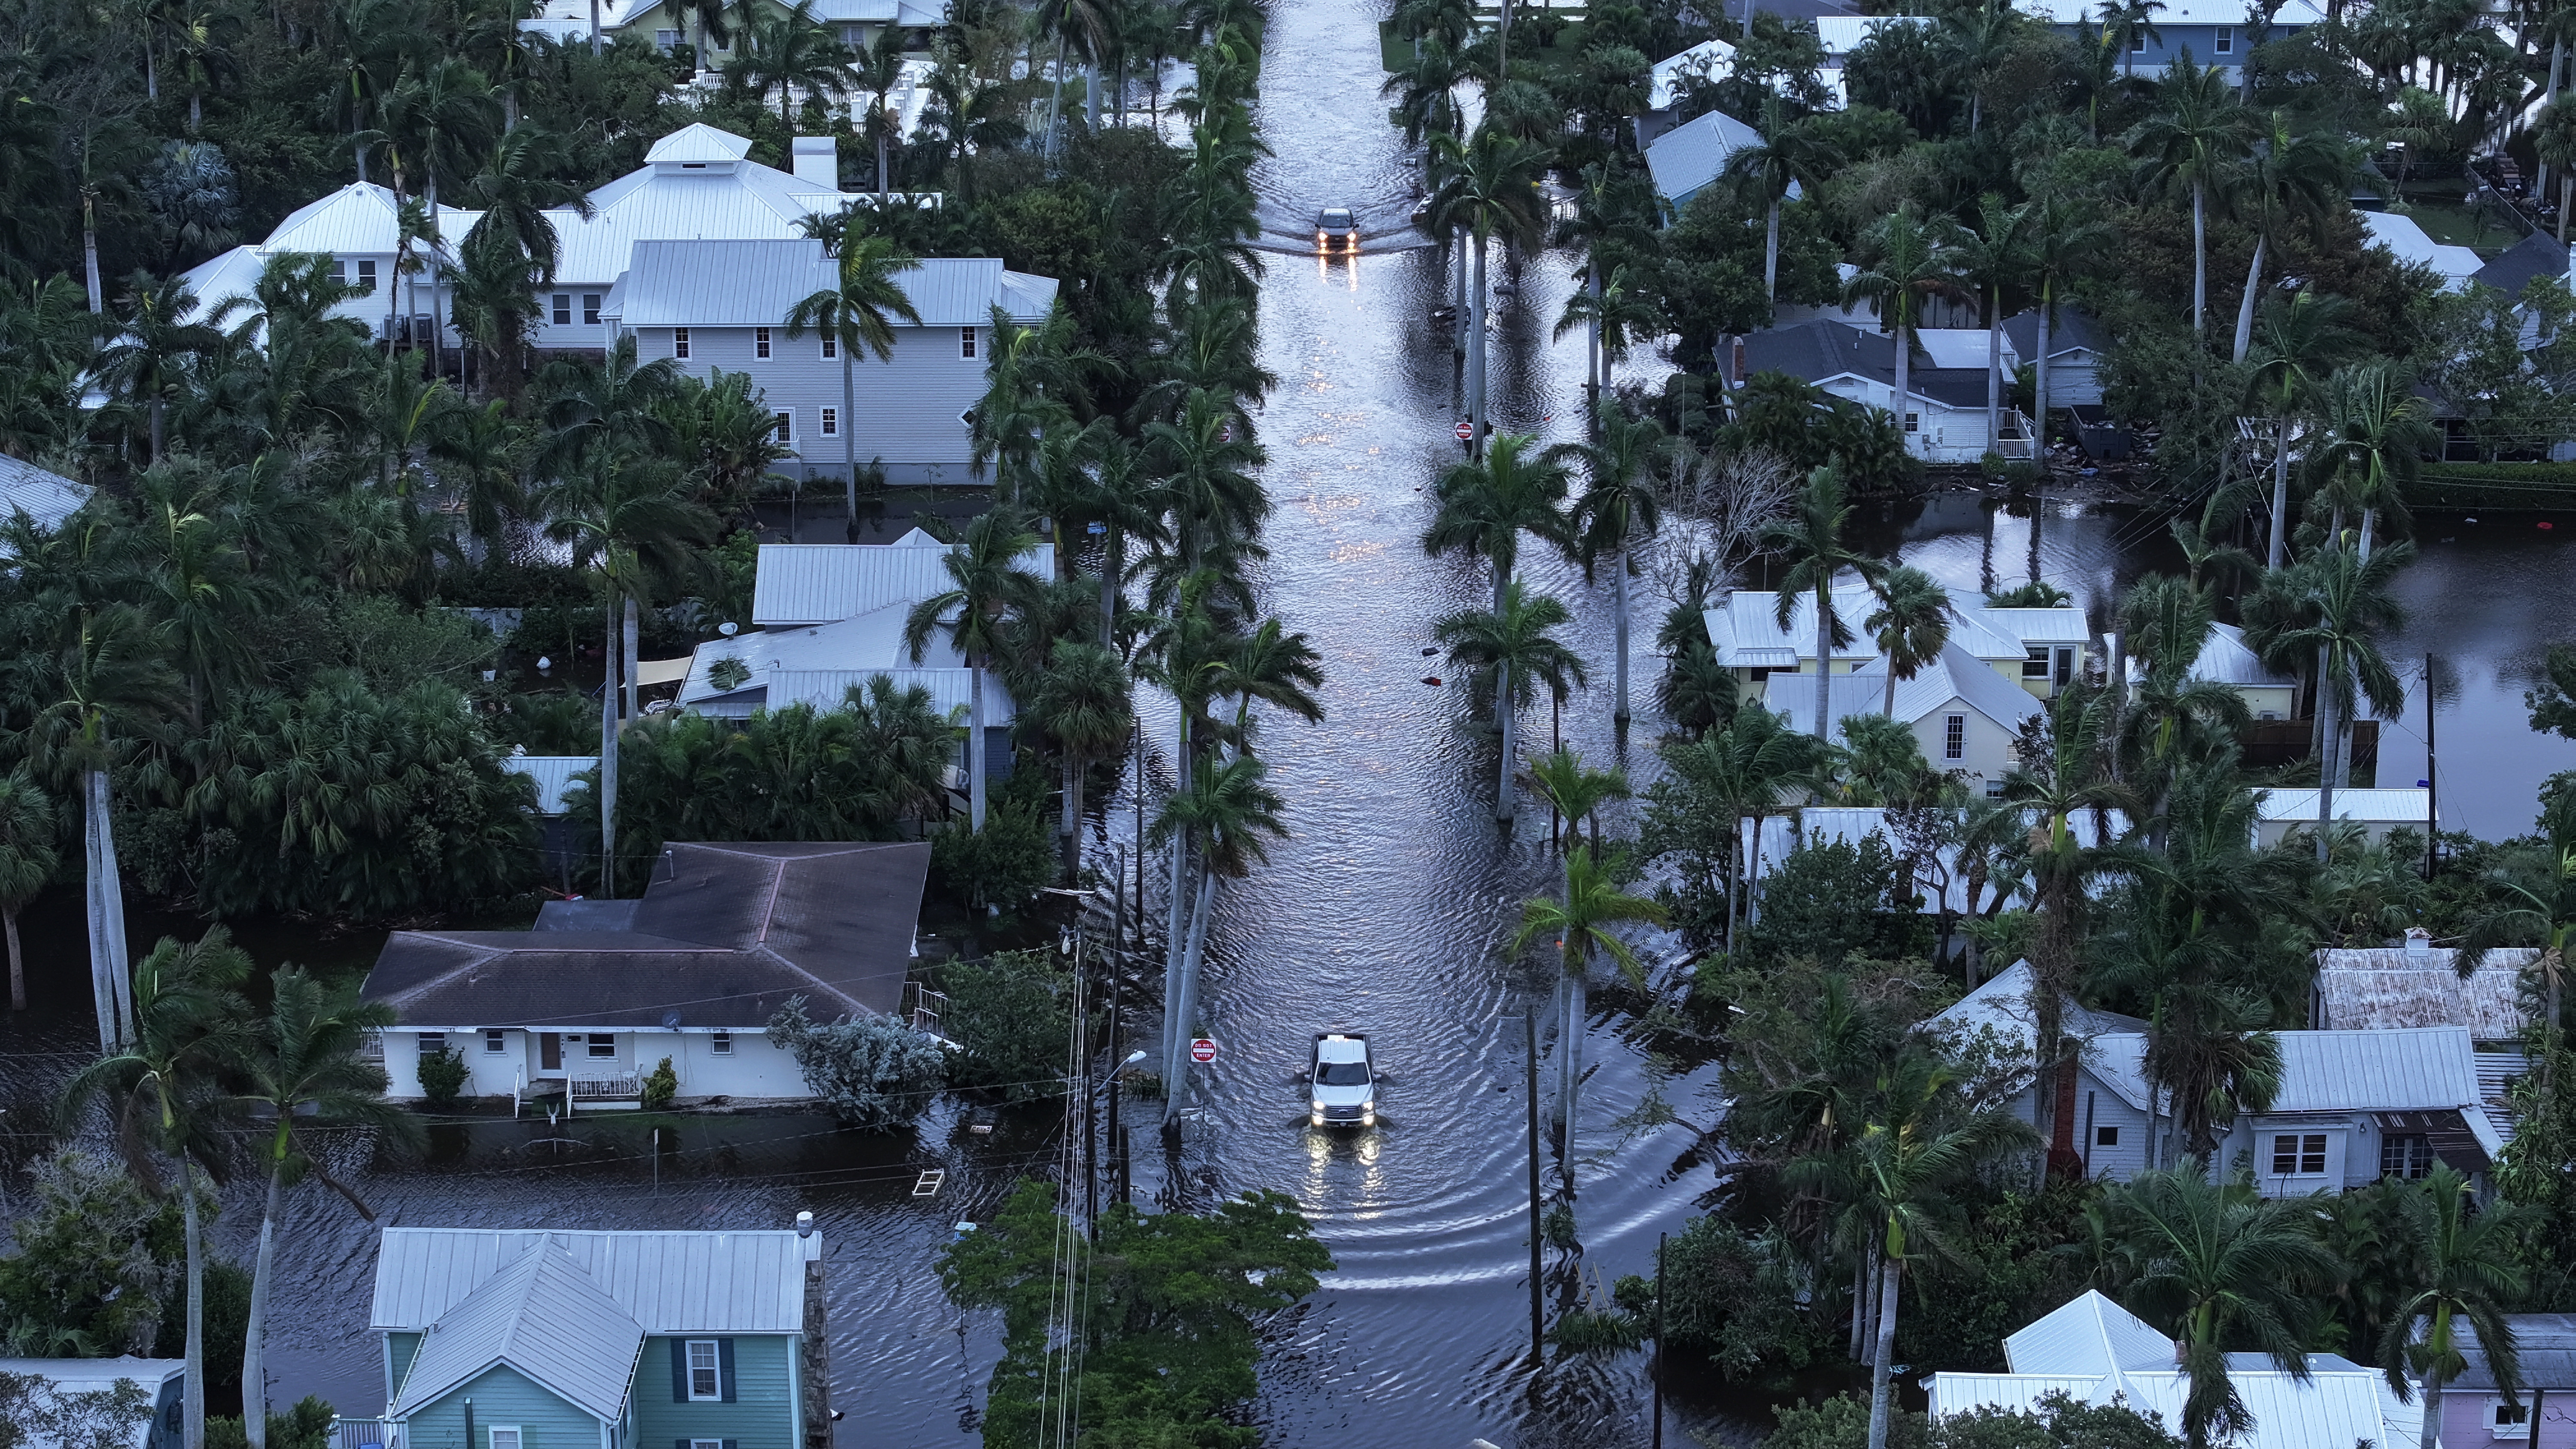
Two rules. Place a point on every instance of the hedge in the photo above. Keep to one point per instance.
(2496, 488)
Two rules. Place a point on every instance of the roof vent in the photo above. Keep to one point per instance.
(805, 1225)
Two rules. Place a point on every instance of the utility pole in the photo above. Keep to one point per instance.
(1538, 1329)
(2432, 784)
(1655, 1365)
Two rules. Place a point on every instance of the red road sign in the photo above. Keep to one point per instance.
(1225, 431)
(1202, 1050)
(1466, 431)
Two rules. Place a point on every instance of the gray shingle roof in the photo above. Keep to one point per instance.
(2073, 331)
(724, 935)
(2544, 1342)
(667, 1282)
(713, 283)
(542, 1315)
(1815, 351)
(2537, 255)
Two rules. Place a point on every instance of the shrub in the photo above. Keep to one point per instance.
(873, 1072)
(1002, 867)
(442, 1077)
(96, 1259)
(1842, 1422)
(306, 1426)
(660, 1086)
(1008, 1012)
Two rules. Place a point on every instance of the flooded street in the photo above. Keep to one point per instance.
(1382, 912)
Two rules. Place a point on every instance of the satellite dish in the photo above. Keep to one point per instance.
(728, 628)
(670, 1021)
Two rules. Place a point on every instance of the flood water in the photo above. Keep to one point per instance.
(1381, 912)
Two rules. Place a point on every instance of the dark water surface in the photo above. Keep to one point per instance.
(1382, 912)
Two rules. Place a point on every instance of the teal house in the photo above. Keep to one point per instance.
(540, 1339)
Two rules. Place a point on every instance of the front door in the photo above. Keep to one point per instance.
(549, 1051)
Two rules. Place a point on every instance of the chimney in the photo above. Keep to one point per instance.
(1739, 360)
(817, 161)
(2419, 942)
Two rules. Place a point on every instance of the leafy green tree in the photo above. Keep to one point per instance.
(96, 1259)
(1791, 154)
(1829, 901)
(1010, 1012)
(1694, 814)
(2192, 141)
(875, 1073)
(161, 1092)
(2219, 1268)
(2467, 1275)
(1081, 702)
(1619, 507)
(28, 859)
(1162, 1346)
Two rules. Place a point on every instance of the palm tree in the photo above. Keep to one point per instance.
(2193, 141)
(1511, 652)
(1911, 259)
(160, 1090)
(1911, 625)
(1812, 542)
(2349, 607)
(1995, 256)
(1224, 815)
(2128, 24)
(986, 582)
(304, 1070)
(27, 860)
(1618, 506)
(1576, 790)
(1741, 771)
(2288, 178)
(146, 359)
(1089, 30)
(111, 686)
(877, 71)
(2466, 1256)
(795, 51)
(1271, 666)
(2375, 436)
(1208, 465)
(1792, 155)
(1081, 703)
(1486, 187)
(2530, 898)
(853, 316)
(1616, 315)
(2553, 135)
(2065, 243)
(1424, 87)
(2296, 345)
(1580, 926)
(2217, 1267)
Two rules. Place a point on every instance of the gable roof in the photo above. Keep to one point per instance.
(2225, 659)
(2397, 1069)
(2374, 989)
(1840, 35)
(1713, 59)
(542, 1315)
(2407, 240)
(2071, 333)
(2090, 1335)
(697, 142)
(552, 775)
(755, 283)
(2002, 1003)
(820, 583)
(1688, 157)
(1818, 351)
(2545, 1344)
(1955, 675)
(44, 496)
(1743, 626)
(724, 935)
(2537, 255)
(667, 1282)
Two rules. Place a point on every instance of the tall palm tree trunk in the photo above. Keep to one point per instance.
(2330, 766)
(1619, 601)
(2199, 259)
(1592, 346)
(1113, 572)
(2278, 548)
(608, 763)
(1570, 1073)
(849, 434)
(254, 1361)
(1071, 824)
(1505, 717)
(107, 906)
(1176, 1045)
(1771, 257)
(1055, 103)
(2039, 388)
(1476, 352)
(975, 767)
(1825, 660)
(1904, 361)
(17, 962)
(193, 1430)
(1878, 1405)
(1995, 368)
(2432, 1435)
(2253, 285)
(629, 637)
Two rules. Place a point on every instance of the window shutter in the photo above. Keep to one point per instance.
(680, 1373)
(724, 1362)
(682, 1444)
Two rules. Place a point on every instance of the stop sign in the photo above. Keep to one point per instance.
(1466, 431)
(1202, 1050)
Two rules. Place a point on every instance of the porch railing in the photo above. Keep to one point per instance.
(366, 1434)
(603, 1089)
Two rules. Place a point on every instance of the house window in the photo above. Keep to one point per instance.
(366, 275)
(340, 270)
(602, 1044)
(966, 343)
(2034, 664)
(561, 312)
(706, 1444)
(2226, 42)
(786, 427)
(666, 40)
(706, 1379)
(831, 422)
(1954, 737)
(680, 342)
(495, 1040)
(831, 346)
(760, 342)
(2065, 667)
(432, 1043)
(1994, 789)
(722, 1044)
(2106, 1136)
(506, 1436)
(1913, 422)
(2296, 1154)
(590, 309)
(2403, 1155)
(2137, 42)
(2508, 1421)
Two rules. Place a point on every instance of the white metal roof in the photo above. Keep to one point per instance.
(542, 1315)
(695, 142)
(552, 775)
(2390, 1069)
(359, 218)
(2038, 626)
(2002, 1004)
(2409, 806)
(669, 1282)
(818, 583)
(951, 690)
(738, 283)
(1955, 676)
(2293, 15)
(46, 497)
(1964, 347)
(1743, 621)
(1842, 34)
(98, 1375)
(1711, 59)
(1693, 154)
(2091, 1335)
(2408, 240)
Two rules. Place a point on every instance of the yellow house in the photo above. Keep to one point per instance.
(2040, 650)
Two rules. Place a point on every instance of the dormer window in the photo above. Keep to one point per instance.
(693, 166)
